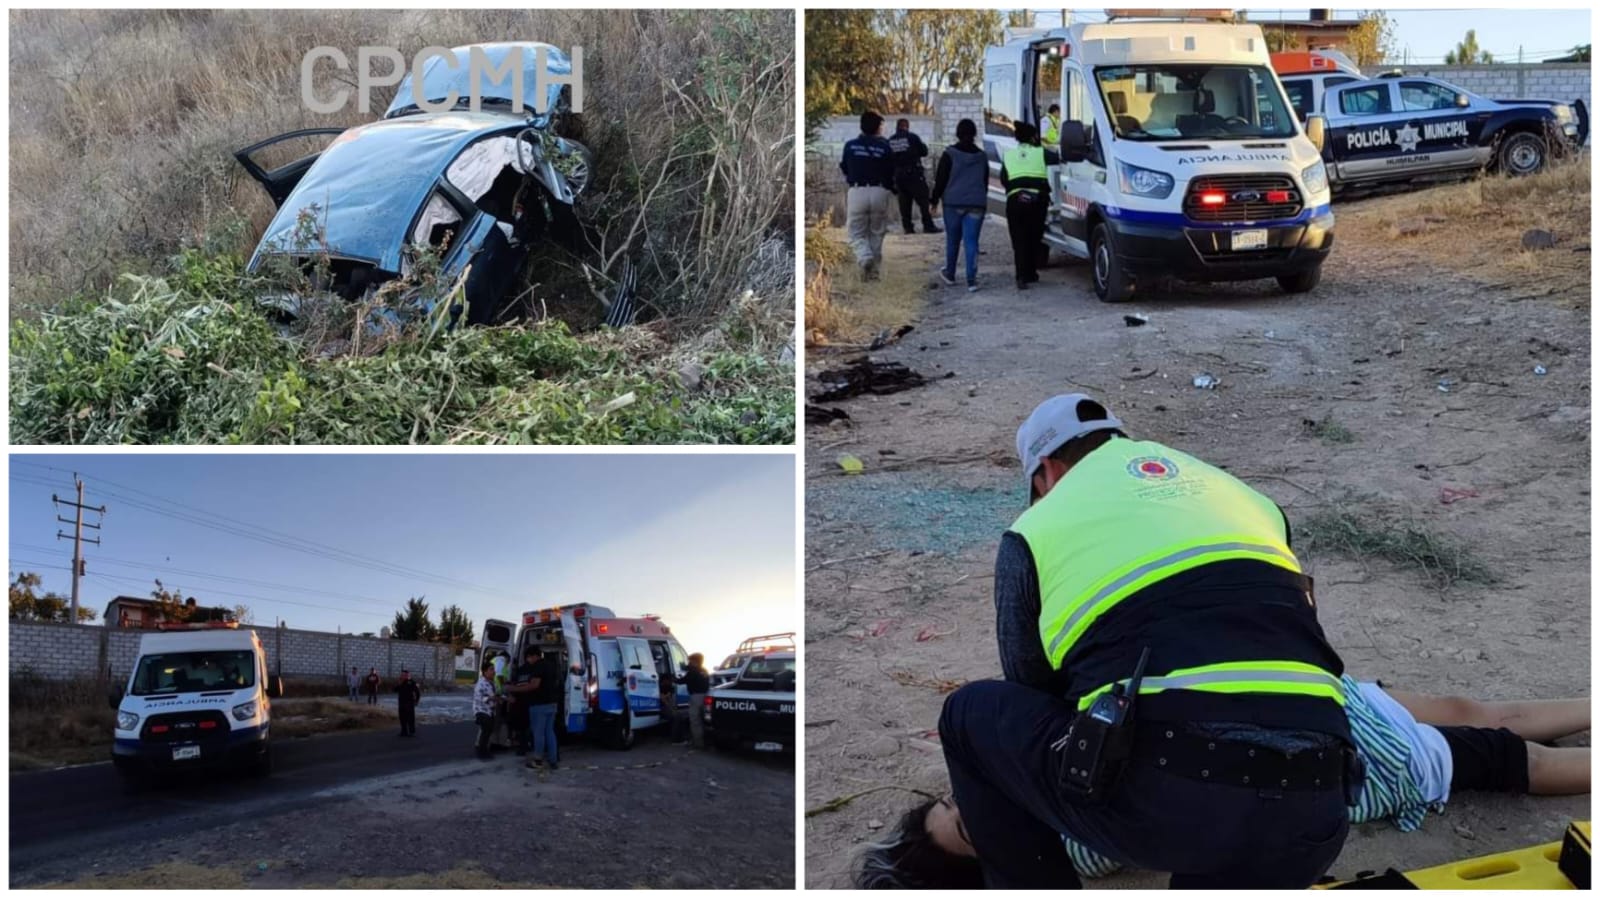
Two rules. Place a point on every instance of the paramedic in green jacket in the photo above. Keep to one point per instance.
(1229, 766)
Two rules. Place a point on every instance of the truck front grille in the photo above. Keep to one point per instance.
(1242, 198)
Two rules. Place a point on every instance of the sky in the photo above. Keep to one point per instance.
(1426, 35)
(705, 541)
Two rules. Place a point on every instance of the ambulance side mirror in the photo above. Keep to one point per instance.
(1074, 142)
(114, 696)
(1317, 131)
(274, 686)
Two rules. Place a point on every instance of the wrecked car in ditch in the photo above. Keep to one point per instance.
(478, 188)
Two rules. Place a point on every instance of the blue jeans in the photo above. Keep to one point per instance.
(542, 723)
(962, 225)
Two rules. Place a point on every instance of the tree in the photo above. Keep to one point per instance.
(1467, 52)
(1280, 40)
(411, 623)
(454, 628)
(170, 603)
(243, 615)
(1017, 18)
(1579, 53)
(845, 64)
(1372, 42)
(28, 605)
(935, 49)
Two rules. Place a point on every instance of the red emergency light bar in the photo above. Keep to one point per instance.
(1278, 196)
(603, 628)
(1213, 198)
(207, 723)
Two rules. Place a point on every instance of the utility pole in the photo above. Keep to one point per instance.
(77, 539)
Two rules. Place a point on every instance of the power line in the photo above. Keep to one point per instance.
(197, 516)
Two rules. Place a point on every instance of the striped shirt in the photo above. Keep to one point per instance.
(1390, 791)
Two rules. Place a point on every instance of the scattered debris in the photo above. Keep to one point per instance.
(822, 415)
(874, 824)
(1410, 227)
(1540, 370)
(1134, 321)
(864, 376)
(691, 376)
(852, 465)
(1445, 384)
(928, 633)
(1537, 239)
(627, 399)
(1449, 495)
(882, 627)
(942, 685)
(884, 338)
(1206, 381)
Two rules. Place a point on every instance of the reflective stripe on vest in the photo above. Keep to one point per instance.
(1025, 161)
(1257, 677)
(1129, 515)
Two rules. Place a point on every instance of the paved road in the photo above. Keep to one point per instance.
(84, 805)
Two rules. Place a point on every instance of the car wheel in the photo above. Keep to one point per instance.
(726, 744)
(1301, 282)
(1111, 284)
(261, 767)
(1522, 154)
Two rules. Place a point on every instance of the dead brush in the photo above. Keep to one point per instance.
(1353, 528)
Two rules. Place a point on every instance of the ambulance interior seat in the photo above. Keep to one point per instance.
(1204, 119)
(1119, 108)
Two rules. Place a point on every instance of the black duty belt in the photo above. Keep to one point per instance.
(1165, 746)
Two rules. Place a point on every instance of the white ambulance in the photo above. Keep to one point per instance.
(197, 697)
(613, 666)
(1179, 154)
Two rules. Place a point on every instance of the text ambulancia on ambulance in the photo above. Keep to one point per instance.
(613, 666)
(1179, 153)
(198, 696)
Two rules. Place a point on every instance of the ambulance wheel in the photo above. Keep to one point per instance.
(1300, 282)
(1111, 284)
(261, 767)
(1522, 153)
(621, 736)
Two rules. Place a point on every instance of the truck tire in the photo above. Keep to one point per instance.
(1522, 153)
(1111, 284)
(1301, 282)
(262, 767)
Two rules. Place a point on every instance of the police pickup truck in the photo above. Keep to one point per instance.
(756, 709)
(1404, 127)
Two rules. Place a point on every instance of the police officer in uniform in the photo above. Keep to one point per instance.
(910, 180)
(1026, 181)
(1170, 699)
(869, 171)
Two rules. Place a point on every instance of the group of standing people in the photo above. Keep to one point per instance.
(408, 693)
(876, 168)
(517, 706)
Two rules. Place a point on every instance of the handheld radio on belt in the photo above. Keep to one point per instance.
(1100, 740)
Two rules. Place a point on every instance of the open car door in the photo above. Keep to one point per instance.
(279, 182)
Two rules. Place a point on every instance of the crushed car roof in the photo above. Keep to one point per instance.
(439, 79)
(370, 182)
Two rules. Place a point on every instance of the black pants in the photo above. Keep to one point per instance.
(912, 187)
(408, 719)
(997, 738)
(1025, 218)
(485, 732)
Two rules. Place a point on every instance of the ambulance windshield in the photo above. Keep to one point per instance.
(1186, 101)
(187, 673)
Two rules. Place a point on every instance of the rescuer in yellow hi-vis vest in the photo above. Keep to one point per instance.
(1026, 180)
(1051, 127)
(1169, 699)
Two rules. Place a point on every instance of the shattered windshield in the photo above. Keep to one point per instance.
(1215, 102)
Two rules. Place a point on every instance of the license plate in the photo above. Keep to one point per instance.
(185, 752)
(1254, 239)
(769, 745)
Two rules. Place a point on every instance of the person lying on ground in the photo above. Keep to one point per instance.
(1417, 749)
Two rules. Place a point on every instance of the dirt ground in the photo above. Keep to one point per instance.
(1400, 399)
(659, 816)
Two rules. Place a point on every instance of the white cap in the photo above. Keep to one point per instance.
(1056, 421)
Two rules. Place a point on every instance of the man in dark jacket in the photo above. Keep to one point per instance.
(869, 172)
(699, 684)
(519, 698)
(410, 694)
(907, 151)
(372, 680)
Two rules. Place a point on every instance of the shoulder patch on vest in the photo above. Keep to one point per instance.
(1153, 468)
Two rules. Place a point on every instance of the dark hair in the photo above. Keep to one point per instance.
(902, 123)
(1025, 132)
(533, 651)
(1055, 107)
(696, 659)
(966, 130)
(871, 122)
(909, 859)
(486, 667)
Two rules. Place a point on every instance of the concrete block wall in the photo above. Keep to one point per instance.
(55, 651)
